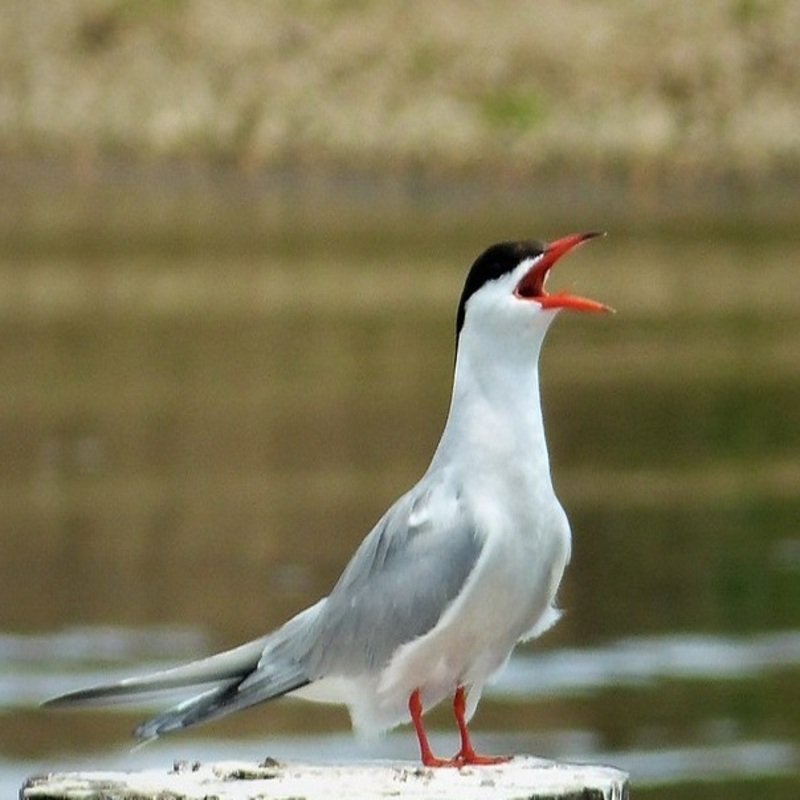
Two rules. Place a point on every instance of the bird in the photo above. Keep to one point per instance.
(461, 568)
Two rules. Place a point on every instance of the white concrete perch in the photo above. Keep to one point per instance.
(523, 778)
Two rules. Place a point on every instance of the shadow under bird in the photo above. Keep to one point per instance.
(461, 568)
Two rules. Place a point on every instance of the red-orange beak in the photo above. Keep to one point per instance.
(531, 287)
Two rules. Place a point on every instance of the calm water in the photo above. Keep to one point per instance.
(194, 444)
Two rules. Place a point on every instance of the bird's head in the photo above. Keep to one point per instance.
(505, 288)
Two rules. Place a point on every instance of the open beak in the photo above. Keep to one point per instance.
(531, 287)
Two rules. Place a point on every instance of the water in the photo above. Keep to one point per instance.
(194, 443)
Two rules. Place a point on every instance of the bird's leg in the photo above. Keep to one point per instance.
(467, 754)
(425, 753)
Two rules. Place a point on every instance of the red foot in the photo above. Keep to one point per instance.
(466, 756)
(425, 753)
(431, 760)
(463, 760)
(481, 761)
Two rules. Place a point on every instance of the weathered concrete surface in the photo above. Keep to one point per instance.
(523, 777)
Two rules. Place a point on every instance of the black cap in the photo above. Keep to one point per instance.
(492, 264)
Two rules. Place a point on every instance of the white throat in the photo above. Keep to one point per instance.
(495, 418)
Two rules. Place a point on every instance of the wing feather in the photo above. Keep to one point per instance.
(404, 575)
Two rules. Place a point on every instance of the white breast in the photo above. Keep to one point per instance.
(508, 596)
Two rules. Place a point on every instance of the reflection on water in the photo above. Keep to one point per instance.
(81, 657)
(199, 443)
(636, 661)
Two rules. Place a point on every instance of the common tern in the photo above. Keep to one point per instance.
(459, 570)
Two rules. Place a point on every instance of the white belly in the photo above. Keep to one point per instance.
(509, 594)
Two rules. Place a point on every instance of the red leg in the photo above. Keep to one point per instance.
(467, 754)
(425, 753)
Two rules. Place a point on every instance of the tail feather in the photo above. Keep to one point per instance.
(179, 716)
(260, 670)
(227, 666)
(217, 702)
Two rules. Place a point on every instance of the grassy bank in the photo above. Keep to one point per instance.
(672, 87)
(191, 122)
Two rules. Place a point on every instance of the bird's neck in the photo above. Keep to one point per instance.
(495, 420)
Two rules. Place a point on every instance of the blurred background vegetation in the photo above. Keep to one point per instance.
(233, 235)
(652, 110)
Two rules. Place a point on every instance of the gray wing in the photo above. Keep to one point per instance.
(396, 587)
(401, 579)
(225, 676)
